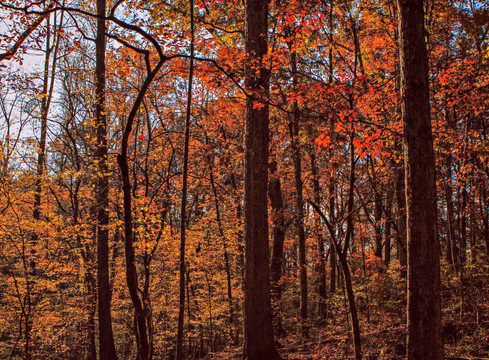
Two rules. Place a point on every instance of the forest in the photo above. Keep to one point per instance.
(244, 179)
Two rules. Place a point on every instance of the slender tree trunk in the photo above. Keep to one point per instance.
(91, 347)
(140, 310)
(321, 261)
(485, 216)
(181, 306)
(332, 250)
(51, 50)
(278, 238)
(378, 226)
(451, 254)
(342, 256)
(388, 227)
(463, 225)
(258, 329)
(106, 338)
(352, 307)
(299, 201)
(227, 266)
(424, 339)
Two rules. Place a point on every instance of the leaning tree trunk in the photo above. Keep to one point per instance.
(424, 339)
(141, 323)
(258, 330)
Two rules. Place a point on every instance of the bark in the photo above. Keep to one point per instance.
(401, 223)
(424, 339)
(258, 330)
(106, 338)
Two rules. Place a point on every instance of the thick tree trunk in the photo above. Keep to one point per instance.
(106, 338)
(258, 329)
(424, 339)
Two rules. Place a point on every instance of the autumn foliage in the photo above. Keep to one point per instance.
(336, 179)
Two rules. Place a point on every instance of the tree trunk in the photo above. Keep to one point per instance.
(106, 338)
(401, 223)
(342, 256)
(258, 330)
(278, 237)
(484, 216)
(332, 250)
(227, 266)
(183, 218)
(378, 226)
(321, 260)
(352, 306)
(424, 339)
(388, 227)
(299, 201)
(451, 254)
(91, 347)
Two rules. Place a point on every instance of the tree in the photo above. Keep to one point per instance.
(258, 330)
(106, 338)
(182, 270)
(424, 302)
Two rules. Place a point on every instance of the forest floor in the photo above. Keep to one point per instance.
(383, 339)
